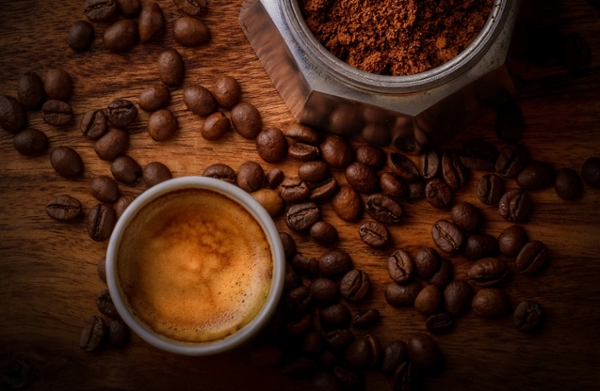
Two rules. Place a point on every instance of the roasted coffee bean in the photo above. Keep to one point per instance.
(299, 327)
(162, 125)
(324, 291)
(294, 190)
(511, 160)
(227, 91)
(515, 206)
(374, 234)
(512, 240)
(532, 257)
(121, 36)
(92, 334)
(466, 216)
(384, 209)
(221, 171)
(191, 32)
(199, 100)
(315, 171)
(490, 303)
(118, 333)
(416, 191)
(325, 381)
(487, 272)
(93, 124)
(100, 10)
(122, 203)
(402, 295)
(125, 169)
(490, 189)
(150, 22)
(429, 300)
(348, 379)
(129, 8)
(101, 269)
(427, 263)
(430, 165)
(447, 236)
(324, 233)
(271, 145)
(274, 178)
(407, 377)
(535, 176)
(81, 36)
(191, 7)
(300, 217)
(575, 52)
(334, 263)
(425, 352)
(121, 112)
(336, 316)
(300, 367)
(590, 172)
(250, 176)
(454, 172)
(66, 162)
(155, 173)
(478, 155)
(292, 280)
(443, 276)
(266, 355)
(112, 144)
(401, 267)
(298, 301)
(567, 184)
(31, 142)
(528, 316)
(270, 200)
(105, 189)
(171, 69)
(347, 204)
(303, 152)
(441, 323)
(336, 152)
(323, 190)
(478, 246)
(313, 343)
(154, 97)
(392, 186)
(403, 167)
(301, 133)
(100, 222)
(363, 353)
(289, 245)
(106, 306)
(355, 285)
(510, 124)
(439, 194)
(372, 156)
(304, 265)
(30, 90)
(246, 120)
(57, 112)
(64, 208)
(362, 178)
(394, 355)
(365, 319)
(12, 114)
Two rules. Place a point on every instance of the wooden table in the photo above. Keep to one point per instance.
(48, 269)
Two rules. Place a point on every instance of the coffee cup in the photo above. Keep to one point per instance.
(195, 266)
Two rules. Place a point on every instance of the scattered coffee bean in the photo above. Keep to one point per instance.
(567, 184)
(105, 189)
(374, 234)
(510, 124)
(478, 155)
(487, 272)
(365, 319)
(336, 316)
(154, 97)
(66, 162)
(118, 333)
(12, 114)
(403, 167)
(325, 381)
(125, 169)
(215, 126)
(298, 301)
(274, 178)
(370, 155)
(301, 133)
(515, 205)
(429, 300)
(100, 10)
(490, 303)
(101, 269)
(324, 291)
(466, 216)
(294, 190)
(100, 222)
(191, 7)
(430, 165)
(535, 176)
(227, 91)
(511, 160)
(304, 265)
(121, 36)
(402, 295)
(362, 178)
(590, 172)
(292, 279)
(64, 208)
(355, 285)
(171, 69)
(313, 343)
(392, 186)
(511, 240)
(30, 90)
(401, 267)
(191, 32)
(155, 173)
(199, 100)
(303, 152)
(289, 244)
(438, 193)
(575, 52)
(57, 113)
(129, 8)
(347, 204)
(271, 145)
(425, 352)
(246, 120)
(162, 125)
(106, 306)
(93, 124)
(221, 171)
(112, 144)
(363, 353)
(81, 36)
(528, 316)
(441, 323)
(92, 334)
(31, 142)
(394, 355)
(324, 233)
(270, 200)
(337, 152)
(121, 112)
(300, 217)
(454, 172)
(443, 276)
(490, 189)
(407, 377)
(334, 263)
(348, 379)
(427, 263)
(150, 22)
(478, 246)
(384, 209)
(300, 327)
(532, 257)
(122, 203)
(314, 171)
(323, 190)
(447, 236)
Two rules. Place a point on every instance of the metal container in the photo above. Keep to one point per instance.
(409, 112)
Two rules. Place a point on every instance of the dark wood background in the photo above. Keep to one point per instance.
(48, 279)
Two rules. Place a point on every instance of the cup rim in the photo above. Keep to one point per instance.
(236, 195)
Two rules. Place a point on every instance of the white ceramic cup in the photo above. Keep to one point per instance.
(240, 197)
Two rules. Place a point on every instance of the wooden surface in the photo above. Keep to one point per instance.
(48, 279)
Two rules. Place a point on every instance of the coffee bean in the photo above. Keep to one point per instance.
(191, 7)
(112, 144)
(334, 263)
(250, 176)
(384, 209)
(454, 172)
(336, 316)
(324, 291)
(298, 301)
(125, 169)
(294, 190)
(313, 343)
(100, 222)
(347, 204)
(402, 295)
(93, 124)
(362, 178)
(271, 145)
(447, 236)
(438, 193)
(490, 189)
(122, 203)
(118, 333)
(121, 36)
(478, 155)
(401, 267)
(403, 167)
(532, 257)
(66, 162)
(12, 114)
(478, 246)
(105, 189)
(509, 123)
(567, 184)
(289, 244)
(64, 208)
(155, 173)
(441, 323)
(348, 379)
(150, 22)
(304, 265)
(299, 327)
(100, 10)
(590, 172)
(407, 377)
(121, 112)
(171, 70)
(129, 8)
(429, 300)
(490, 303)
(221, 171)
(30, 90)
(301, 133)
(300, 367)
(324, 233)
(443, 276)
(430, 165)
(337, 152)
(325, 381)
(374, 234)
(31, 142)
(394, 355)
(575, 52)
(57, 112)
(363, 353)
(425, 352)
(162, 125)
(106, 306)
(392, 186)
(92, 334)
(227, 91)
(274, 178)
(427, 263)
(154, 97)
(323, 190)
(512, 240)
(511, 160)
(199, 100)
(487, 272)
(303, 152)
(81, 36)
(371, 156)
(535, 176)
(301, 217)
(314, 171)
(246, 120)
(515, 206)
(416, 191)
(466, 216)
(270, 200)
(355, 285)
(528, 316)
(366, 319)
(191, 32)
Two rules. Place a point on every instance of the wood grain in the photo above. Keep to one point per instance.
(48, 269)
